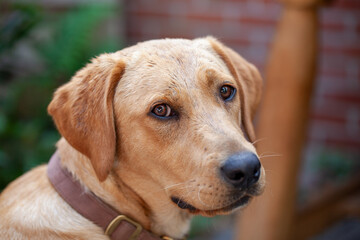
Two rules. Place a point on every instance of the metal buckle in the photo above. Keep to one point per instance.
(166, 238)
(115, 223)
(169, 238)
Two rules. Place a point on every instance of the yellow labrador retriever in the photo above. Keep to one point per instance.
(157, 132)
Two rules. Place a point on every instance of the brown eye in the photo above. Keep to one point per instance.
(162, 110)
(227, 92)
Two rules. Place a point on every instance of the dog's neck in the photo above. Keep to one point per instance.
(117, 194)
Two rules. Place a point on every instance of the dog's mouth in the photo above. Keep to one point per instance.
(184, 205)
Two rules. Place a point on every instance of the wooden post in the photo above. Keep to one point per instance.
(283, 121)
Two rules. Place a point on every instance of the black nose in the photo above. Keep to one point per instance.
(241, 170)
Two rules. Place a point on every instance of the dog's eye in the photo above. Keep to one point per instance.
(227, 92)
(162, 110)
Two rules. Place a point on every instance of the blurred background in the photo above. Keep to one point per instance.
(43, 43)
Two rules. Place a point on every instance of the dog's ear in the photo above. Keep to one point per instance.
(249, 80)
(83, 112)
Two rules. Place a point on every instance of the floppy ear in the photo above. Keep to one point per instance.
(248, 79)
(83, 112)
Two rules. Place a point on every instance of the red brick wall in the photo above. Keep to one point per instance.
(248, 27)
(336, 108)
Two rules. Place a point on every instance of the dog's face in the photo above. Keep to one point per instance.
(176, 116)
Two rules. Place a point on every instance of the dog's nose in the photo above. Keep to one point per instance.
(241, 170)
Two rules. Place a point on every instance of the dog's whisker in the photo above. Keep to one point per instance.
(198, 195)
(258, 140)
(270, 155)
(213, 201)
(268, 152)
(184, 187)
(200, 198)
(267, 171)
(171, 186)
(175, 185)
(188, 192)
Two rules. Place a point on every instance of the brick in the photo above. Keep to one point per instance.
(328, 107)
(347, 4)
(348, 98)
(332, 133)
(329, 85)
(344, 143)
(333, 26)
(258, 21)
(203, 8)
(335, 62)
(205, 17)
(323, 118)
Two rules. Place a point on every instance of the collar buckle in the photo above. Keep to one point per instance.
(115, 223)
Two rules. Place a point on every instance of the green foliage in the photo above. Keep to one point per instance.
(72, 47)
(200, 224)
(27, 133)
(334, 165)
(20, 22)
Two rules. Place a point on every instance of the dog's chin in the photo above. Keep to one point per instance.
(241, 202)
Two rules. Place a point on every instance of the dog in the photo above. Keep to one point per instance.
(160, 131)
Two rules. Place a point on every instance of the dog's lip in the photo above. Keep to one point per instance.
(184, 205)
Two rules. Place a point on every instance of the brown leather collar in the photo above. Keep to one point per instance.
(115, 225)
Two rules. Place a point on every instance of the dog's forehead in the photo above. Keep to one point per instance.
(177, 59)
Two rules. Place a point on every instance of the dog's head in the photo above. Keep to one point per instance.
(172, 119)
